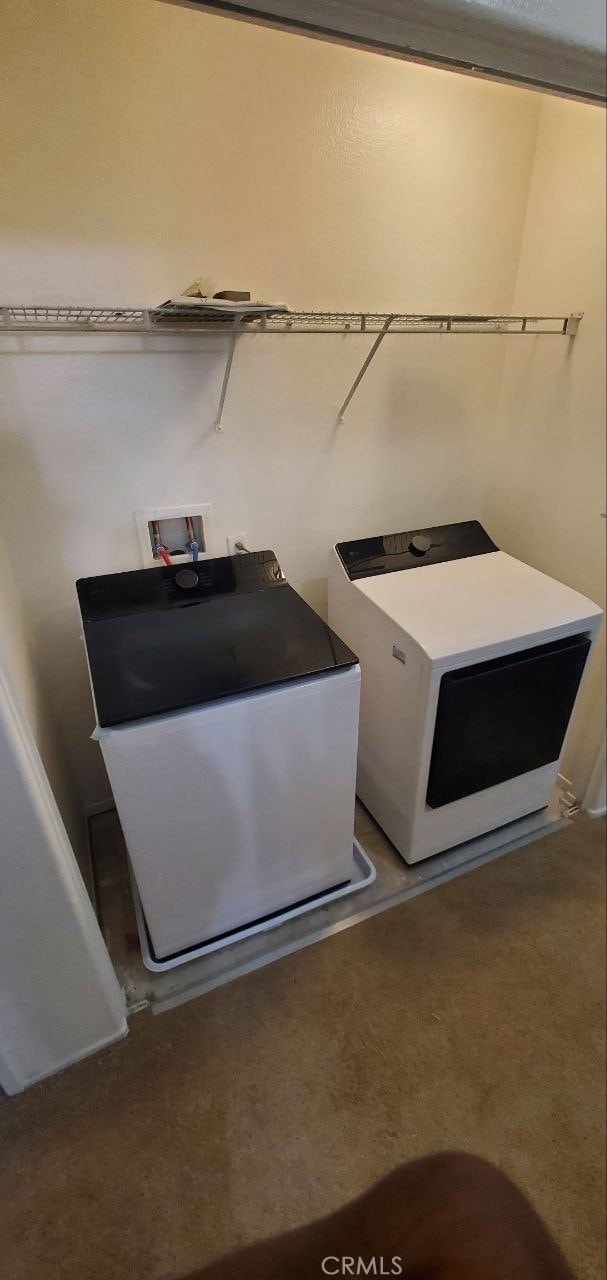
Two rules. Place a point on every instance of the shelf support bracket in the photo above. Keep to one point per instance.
(234, 334)
(572, 323)
(361, 373)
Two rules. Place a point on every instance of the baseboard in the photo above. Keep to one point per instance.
(565, 785)
(93, 811)
(99, 806)
(568, 799)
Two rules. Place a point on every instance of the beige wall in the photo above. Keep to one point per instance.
(546, 486)
(162, 144)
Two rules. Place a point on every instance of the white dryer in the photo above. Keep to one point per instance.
(471, 663)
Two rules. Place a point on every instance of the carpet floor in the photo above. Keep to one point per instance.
(471, 1017)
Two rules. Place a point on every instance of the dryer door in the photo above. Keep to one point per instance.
(496, 720)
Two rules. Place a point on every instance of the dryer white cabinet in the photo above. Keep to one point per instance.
(471, 663)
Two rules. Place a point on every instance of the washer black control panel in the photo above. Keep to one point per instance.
(141, 590)
(392, 552)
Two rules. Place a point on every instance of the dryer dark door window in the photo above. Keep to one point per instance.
(499, 719)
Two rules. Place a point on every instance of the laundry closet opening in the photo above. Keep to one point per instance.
(302, 356)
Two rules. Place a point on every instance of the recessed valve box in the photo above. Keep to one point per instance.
(175, 529)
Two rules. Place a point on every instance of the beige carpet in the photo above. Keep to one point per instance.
(470, 1017)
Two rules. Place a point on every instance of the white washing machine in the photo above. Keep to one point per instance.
(471, 663)
(227, 714)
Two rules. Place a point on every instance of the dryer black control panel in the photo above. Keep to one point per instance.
(392, 552)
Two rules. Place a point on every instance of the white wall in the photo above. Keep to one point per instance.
(59, 998)
(33, 704)
(546, 486)
(162, 144)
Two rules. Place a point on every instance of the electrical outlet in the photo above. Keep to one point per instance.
(231, 541)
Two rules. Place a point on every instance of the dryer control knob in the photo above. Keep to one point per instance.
(419, 545)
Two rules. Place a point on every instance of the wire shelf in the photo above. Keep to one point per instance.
(182, 318)
(375, 322)
(66, 319)
(71, 319)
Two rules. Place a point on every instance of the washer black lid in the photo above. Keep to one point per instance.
(163, 639)
(392, 552)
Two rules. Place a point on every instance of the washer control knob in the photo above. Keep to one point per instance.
(186, 578)
(419, 545)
